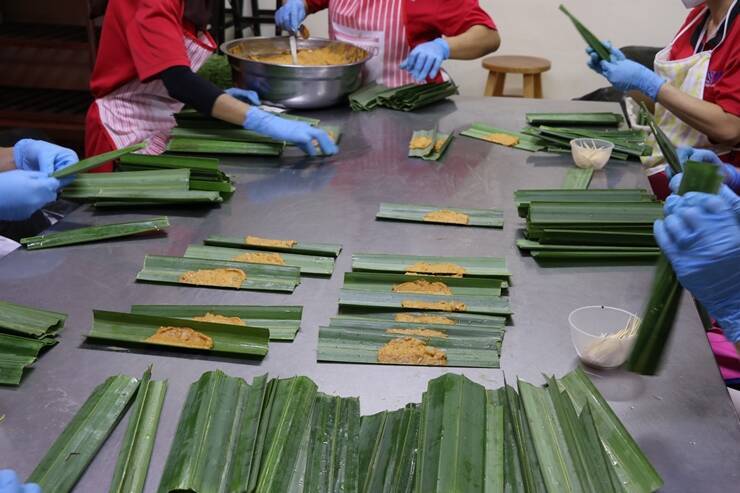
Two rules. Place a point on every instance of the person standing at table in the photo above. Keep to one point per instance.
(150, 51)
(409, 39)
(696, 81)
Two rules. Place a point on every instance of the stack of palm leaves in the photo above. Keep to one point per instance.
(601, 119)
(567, 227)
(96, 233)
(205, 173)
(138, 188)
(405, 98)
(24, 333)
(408, 310)
(196, 133)
(285, 435)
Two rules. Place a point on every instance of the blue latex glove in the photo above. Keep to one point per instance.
(625, 74)
(37, 155)
(700, 235)
(425, 60)
(24, 192)
(291, 15)
(9, 483)
(250, 97)
(732, 174)
(299, 133)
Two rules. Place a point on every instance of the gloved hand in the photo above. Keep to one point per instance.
(291, 15)
(37, 155)
(24, 192)
(9, 483)
(425, 60)
(250, 97)
(700, 235)
(299, 133)
(732, 174)
(625, 74)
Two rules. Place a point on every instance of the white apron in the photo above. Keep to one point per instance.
(140, 111)
(377, 26)
(689, 75)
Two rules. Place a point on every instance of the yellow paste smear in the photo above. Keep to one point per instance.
(266, 242)
(181, 337)
(328, 55)
(503, 139)
(439, 144)
(411, 351)
(423, 319)
(446, 216)
(444, 269)
(417, 332)
(226, 278)
(261, 258)
(423, 287)
(443, 306)
(420, 142)
(215, 318)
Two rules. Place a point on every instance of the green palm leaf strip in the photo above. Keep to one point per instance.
(452, 442)
(453, 320)
(95, 233)
(167, 270)
(138, 442)
(71, 453)
(133, 329)
(205, 174)
(481, 131)
(578, 179)
(596, 237)
(190, 117)
(530, 245)
(217, 435)
(665, 296)
(16, 354)
(522, 468)
(283, 322)
(387, 450)
(415, 213)
(213, 146)
(27, 321)
(449, 335)
(495, 453)
(664, 143)
(384, 283)
(629, 462)
(95, 161)
(602, 119)
(588, 36)
(610, 257)
(523, 198)
(307, 264)
(320, 249)
(488, 305)
(474, 266)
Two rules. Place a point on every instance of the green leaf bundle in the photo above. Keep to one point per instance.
(30, 322)
(489, 218)
(71, 453)
(523, 198)
(95, 233)
(405, 98)
(481, 131)
(16, 354)
(95, 161)
(578, 178)
(224, 146)
(665, 295)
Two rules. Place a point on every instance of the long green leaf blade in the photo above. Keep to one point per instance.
(474, 266)
(95, 161)
(416, 213)
(321, 249)
(588, 36)
(488, 305)
(308, 264)
(95, 233)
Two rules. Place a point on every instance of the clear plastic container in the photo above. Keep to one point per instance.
(603, 336)
(591, 153)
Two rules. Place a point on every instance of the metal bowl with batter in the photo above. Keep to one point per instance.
(295, 86)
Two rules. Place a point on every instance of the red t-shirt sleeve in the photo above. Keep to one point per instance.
(316, 5)
(456, 17)
(727, 88)
(156, 37)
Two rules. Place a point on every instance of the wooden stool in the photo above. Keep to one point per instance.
(530, 67)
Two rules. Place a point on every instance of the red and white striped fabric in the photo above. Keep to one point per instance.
(138, 111)
(379, 27)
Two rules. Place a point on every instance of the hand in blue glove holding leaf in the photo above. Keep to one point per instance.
(9, 483)
(624, 74)
(299, 133)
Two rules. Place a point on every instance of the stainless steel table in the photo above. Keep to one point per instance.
(682, 418)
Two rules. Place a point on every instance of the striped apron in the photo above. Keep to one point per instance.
(378, 26)
(139, 111)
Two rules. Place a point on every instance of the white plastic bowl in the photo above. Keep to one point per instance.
(591, 153)
(590, 328)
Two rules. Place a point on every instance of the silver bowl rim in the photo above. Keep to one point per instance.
(227, 44)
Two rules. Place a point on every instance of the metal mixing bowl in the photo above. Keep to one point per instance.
(294, 86)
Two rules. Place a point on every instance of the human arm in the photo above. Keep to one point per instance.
(700, 235)
(474, 43)
(9, 483)
(7, 161)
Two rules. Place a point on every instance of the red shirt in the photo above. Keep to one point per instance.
(723, 79)
(140, 39)
(429, 19)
